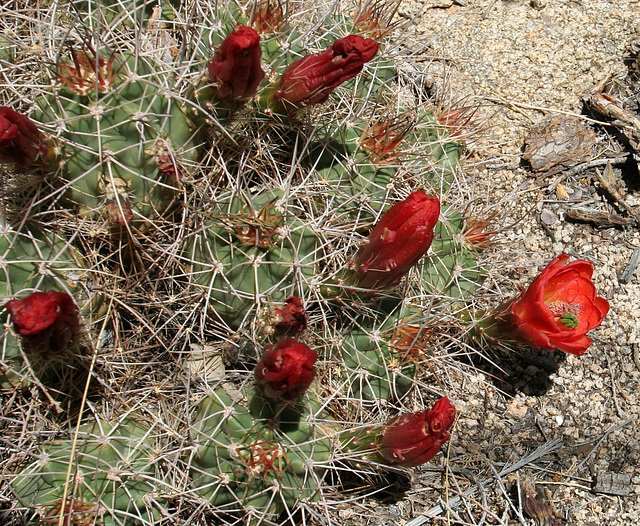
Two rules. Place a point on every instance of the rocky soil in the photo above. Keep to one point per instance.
(556, 439)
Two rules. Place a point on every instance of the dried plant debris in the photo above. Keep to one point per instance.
(616, 103)
(543, 513)
(609, 107)
(557, 143)
(598, 218)
(630, 269)
(610, 186)
(613, 484)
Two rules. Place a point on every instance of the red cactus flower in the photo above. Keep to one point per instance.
(291, 318)
(47, 320)
(20, 140)
(235, 70)
(557, 310)
(415, 438)
(402, 236)
(286, 370)
(311, 79)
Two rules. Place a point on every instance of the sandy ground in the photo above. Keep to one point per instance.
(520, 61)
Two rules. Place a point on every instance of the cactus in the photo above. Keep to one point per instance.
(261, 459)
(265, 451)
(452, 270)
(373, 370)
(241, 193)
(123, 146)
(249, 253)
(33, 261)
(108, 478)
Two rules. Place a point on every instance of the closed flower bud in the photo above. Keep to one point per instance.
(286, 370)
(415, 438)
(48, 321)
(402, 236)
(235, 70)
(311, 79)
(20, 140)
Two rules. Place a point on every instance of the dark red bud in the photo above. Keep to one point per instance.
(48, 320)
(235, 70)
(415, 438)
(313, 78)
(402, 236)
(20, 140)
(286, 370)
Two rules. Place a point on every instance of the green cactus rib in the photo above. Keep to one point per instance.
(438, 153)
(356, 188)
(123, 149)
(360, 183)
(113, 475)
(249, 255)
(250, 465)
(123, 12)
(372, 359)
(452, 269)
(371, 371)
(33, 261)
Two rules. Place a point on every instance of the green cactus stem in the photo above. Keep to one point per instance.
(123, 138)
(258, 461)
(248, 254)
(110, 476)
(36, 261)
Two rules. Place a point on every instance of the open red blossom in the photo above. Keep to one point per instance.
(47, 320)
(311, 79)
(235, 70)
(402, 236)
(20, 140)
(286, 370)
(415, 438)
(559, 308)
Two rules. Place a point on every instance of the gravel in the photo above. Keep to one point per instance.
(520, 62)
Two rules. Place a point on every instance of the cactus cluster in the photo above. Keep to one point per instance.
(105, 475)
(252, 179)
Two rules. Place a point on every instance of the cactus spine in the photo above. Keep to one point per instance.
(239, 202)
(108, 478)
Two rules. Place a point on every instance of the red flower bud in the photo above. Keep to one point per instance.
(20, 140)
(235, 69)
(402, 236)
(415, 438)
(291, 318)
(286, 370)
(311, 79)
(47, 320)
(559, 308)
